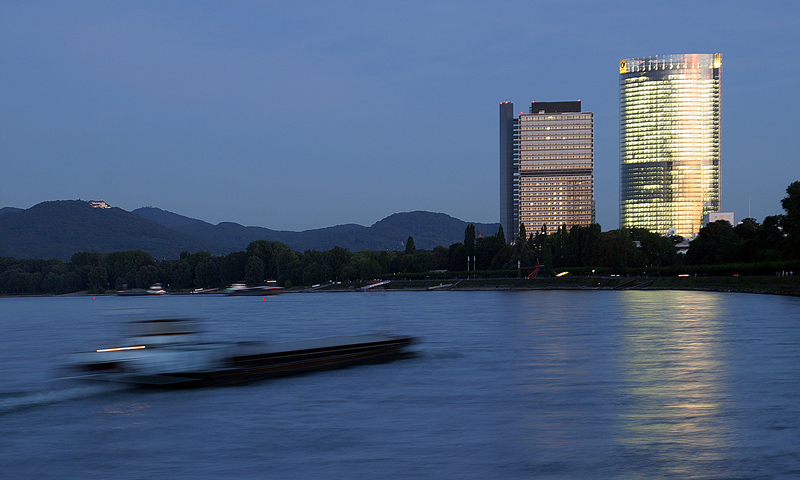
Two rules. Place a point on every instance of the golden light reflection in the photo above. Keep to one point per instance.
(671, 370)
(124, 414)
(125, 408)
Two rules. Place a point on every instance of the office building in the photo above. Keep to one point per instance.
(546, 167)
(715, 216)
(669, 142)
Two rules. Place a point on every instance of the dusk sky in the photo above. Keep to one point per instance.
(300, 115)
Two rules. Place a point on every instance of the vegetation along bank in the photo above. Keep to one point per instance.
(759, 257)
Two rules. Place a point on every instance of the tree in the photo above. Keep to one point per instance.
(177, 273)
(715, 243)
(419, 261)
(362, 266)
(502, 258)
(791, 220)
(288, 268)
(410, 248)
(128, 263)
(50, 282)
(521, 236)
(231, 270)
(469, 244)
(748, 232)
(314, 273)
(579, 244)
(615, 250)
(771, 241)
(206, 274)
(98, 279)
(336, 259)
(147, 275)
(486, 248)
(440, 258)
(654, 249)
(254, 271)
(501, 235)
(86, 259)
(280, 261)
(457, 258)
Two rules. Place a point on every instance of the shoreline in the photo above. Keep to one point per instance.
(771, 285)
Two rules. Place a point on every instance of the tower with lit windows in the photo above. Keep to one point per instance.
(669, 141)
(546, 167)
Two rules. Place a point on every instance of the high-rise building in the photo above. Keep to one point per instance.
(546, 167)
(669, 142)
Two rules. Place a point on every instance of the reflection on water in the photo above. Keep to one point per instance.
(566, 364)
(672, 378)
(653, 384)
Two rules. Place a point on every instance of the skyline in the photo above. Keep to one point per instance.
(296, 117)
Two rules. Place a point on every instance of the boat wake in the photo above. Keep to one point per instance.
(22, 400)
(437, 354)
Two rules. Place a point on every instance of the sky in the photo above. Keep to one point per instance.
(306, 114)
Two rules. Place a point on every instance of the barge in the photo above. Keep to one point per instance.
(168, 353)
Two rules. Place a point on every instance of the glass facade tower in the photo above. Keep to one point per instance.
(669, 114)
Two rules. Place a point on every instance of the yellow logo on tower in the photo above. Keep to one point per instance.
(623, 66)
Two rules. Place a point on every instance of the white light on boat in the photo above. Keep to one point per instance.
(137, 347)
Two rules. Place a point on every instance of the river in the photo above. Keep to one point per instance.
(505, 384)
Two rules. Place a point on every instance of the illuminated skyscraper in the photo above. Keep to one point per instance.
(546, 167)
(669, 141)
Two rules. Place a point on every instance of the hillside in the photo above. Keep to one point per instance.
(428, 229)
(5, 210)
(58, 229)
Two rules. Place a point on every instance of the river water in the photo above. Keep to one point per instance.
(506, 385)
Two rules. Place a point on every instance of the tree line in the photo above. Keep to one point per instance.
(583, 248)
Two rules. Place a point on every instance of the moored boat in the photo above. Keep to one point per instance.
(170, 353)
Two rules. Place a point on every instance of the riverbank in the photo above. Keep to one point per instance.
(788, 285)
(767, 285)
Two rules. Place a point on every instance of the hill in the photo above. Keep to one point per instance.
(5, 210)
(57, 229)
(428, 229)
(60, 228)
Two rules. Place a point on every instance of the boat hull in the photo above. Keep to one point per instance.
(245, 363)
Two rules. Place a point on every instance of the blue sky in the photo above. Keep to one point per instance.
(300, 115)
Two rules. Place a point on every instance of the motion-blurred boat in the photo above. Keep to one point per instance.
(170, 353)
(242, 289)
(155, 289)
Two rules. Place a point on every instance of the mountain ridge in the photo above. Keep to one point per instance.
(429, 229)
(59, 228)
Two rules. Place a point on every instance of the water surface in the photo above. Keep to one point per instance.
(513, 385)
